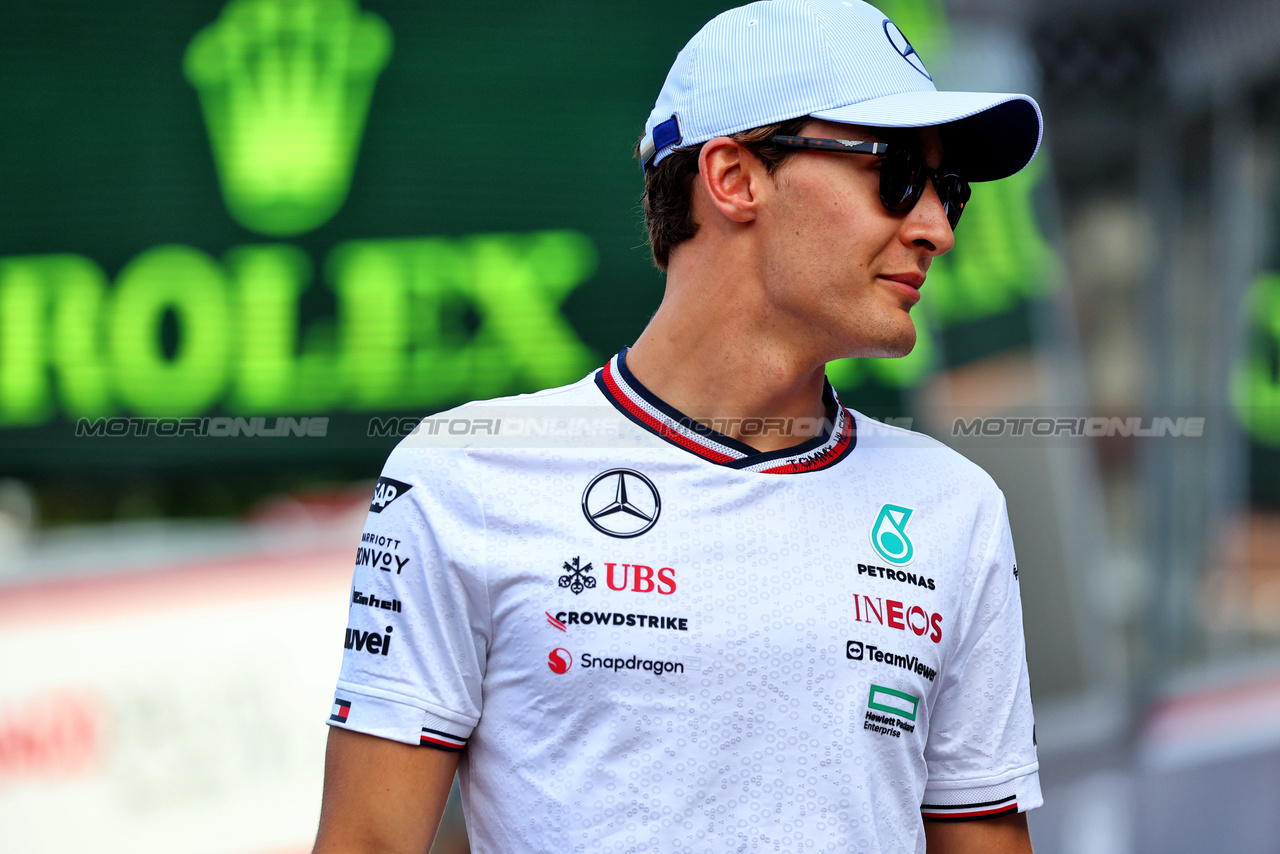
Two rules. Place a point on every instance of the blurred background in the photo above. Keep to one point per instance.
(245, 245)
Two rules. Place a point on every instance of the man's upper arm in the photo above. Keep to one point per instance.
(380, 795)
(981, 752)
(1006, 834)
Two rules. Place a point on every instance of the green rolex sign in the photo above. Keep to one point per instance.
(502, 256)
(285, 87)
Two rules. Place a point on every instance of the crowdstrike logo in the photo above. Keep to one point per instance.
(562, 619)
(560, 660)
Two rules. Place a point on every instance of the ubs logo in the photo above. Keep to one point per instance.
(621, 503)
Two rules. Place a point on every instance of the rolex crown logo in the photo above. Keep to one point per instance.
(285, 87)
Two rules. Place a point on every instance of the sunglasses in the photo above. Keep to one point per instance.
(903, 172)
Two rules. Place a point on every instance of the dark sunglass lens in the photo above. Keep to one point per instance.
(902, 178)
(953, 192)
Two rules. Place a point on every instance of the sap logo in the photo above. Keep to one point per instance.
(385, 492)
(374, 602)
(370, 642)
(896, 615)
(641, 578)
(380, 559)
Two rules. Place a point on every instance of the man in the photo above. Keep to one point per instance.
(748, 620)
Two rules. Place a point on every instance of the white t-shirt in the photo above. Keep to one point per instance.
(650, 637)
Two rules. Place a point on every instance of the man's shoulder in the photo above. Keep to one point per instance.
(581, 393)
(921, 455)
(445, 438)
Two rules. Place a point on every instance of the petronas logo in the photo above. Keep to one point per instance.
(889, 535)
(285, 87)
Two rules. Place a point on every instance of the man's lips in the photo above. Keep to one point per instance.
(907, 285)
(911, 280)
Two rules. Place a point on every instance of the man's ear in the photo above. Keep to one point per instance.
(732, 177)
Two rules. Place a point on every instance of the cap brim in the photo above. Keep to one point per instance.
(989, 135)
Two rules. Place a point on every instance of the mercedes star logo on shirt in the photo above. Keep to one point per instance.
(621, 503)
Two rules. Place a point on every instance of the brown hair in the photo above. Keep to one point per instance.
(668, 187)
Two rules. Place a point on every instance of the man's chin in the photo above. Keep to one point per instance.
(891, 348)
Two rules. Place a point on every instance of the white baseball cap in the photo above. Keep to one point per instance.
(839, 60)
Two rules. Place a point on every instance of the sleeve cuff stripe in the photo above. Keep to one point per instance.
(442, 740)
(964, 812)
(973, 806)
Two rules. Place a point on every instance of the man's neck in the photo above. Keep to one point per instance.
(708, 352)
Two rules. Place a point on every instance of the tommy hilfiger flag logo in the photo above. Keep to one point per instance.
(341, 708)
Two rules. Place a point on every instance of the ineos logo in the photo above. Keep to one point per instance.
(621, 503)
(903, 47)
(560, 660)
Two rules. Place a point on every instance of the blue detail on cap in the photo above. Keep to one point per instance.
(666, 133)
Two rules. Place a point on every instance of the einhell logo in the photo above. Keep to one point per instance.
(897, 615)
(372, 601)
(385, 492)
(640, 578)
(370, 642)
(560, 660)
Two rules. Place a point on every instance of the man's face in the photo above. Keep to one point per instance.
(837, 263)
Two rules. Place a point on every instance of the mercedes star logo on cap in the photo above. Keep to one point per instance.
(621, 503)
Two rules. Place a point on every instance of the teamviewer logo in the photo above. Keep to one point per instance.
(853, 650)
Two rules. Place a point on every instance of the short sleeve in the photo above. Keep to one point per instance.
(981, 753)
(418, 624)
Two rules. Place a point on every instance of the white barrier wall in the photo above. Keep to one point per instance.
(172, 710)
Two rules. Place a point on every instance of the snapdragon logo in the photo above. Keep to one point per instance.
(559, 660)
(656, 667)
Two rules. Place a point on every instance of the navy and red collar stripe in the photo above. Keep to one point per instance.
(624, 391)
